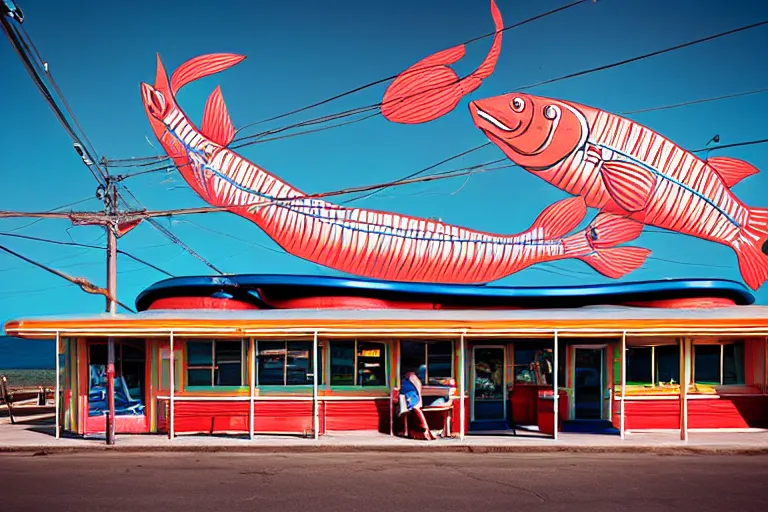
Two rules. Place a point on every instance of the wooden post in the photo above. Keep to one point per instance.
(172, 373)
(58, 384)
(315, 400)
(556, 393)
(462, 387)
(251, 405)
(685, 347)
(623, 382)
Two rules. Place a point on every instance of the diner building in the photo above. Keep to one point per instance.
(310, 355)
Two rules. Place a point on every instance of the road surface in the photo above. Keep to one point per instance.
(375, 482)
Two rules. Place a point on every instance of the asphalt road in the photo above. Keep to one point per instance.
(374, 482)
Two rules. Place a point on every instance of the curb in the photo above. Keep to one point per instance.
(654, 450)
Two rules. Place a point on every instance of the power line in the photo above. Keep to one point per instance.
(75, 203)
(170, 235)
(644, 56)
(553, 80)
(165, 168)
(695, 102)
(16, 39)
(82, 282)
(392, 77)
(432, 177)
(88, 246)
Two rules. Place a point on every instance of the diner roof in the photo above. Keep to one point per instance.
(741, 320)
(265, 291)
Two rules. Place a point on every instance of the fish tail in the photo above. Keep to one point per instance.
(596, 245)
(752, 248)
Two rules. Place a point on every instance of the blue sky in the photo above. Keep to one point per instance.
(303, 51)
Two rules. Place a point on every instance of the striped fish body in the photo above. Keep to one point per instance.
(360, 241)
(627, 168)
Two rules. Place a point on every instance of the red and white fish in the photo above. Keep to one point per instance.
(430, 89)
(622, 167)
(365, 242)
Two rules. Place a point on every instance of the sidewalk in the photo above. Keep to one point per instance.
(35, 434)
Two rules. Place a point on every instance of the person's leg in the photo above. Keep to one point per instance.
(423, 421)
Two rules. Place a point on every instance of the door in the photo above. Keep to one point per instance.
(588, 383)
(488, 376)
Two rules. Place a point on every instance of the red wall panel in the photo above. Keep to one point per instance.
(715, 412)
(357, 415)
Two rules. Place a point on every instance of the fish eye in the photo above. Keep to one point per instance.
(518, 104)
(551, 112)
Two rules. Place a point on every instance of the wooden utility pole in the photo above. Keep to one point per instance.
(110, 207)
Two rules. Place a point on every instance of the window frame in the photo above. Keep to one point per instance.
(721, 344)
(285, 341)
(654, 384)
(385, 344)
(213, 366)
(426, 358)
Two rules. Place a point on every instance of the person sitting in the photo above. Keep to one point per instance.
(410, 400)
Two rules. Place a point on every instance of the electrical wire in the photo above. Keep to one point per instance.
(552, 80)
(392, 77)
(644, 56)
(75, 203)
(14, 37)
(88, 246)
(165, 168)
(82, 282)
(168, 233)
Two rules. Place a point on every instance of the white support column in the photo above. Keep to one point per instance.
(58, 385)
(623, 381)
(315, 400)
(685, 353)
(172, 376)
(462, 387)
(556, 393)
(251, 405)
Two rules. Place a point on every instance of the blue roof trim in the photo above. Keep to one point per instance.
(245, 287)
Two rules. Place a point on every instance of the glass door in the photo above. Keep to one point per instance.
(588, 383)
(489, 384)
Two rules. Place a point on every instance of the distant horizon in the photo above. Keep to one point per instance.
(22, 354)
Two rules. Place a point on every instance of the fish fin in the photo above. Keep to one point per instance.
(732, 170)
(610, 230)
(616, 262)
(752, 248)
(202, 66)
(441, 58)
(560, 218)
(161, 76)
(217, 125)
(488, 65)
(628, 184)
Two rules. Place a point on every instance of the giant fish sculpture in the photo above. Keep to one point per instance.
(355, 240)
(624, 168)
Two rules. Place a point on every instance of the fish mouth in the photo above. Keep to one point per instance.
(482, 114)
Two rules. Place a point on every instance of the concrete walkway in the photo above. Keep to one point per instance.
(35, 434)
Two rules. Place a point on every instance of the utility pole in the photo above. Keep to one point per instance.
(110, 206)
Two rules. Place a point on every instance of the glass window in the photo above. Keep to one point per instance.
(215, 363)
(721, 364)
(287, 363)
(733, 363)
(342, 363)
(667, 364)
(358, 363)
(436, 357)
(371, 364)
(534, 362)
(639, 365)
(706, 364)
